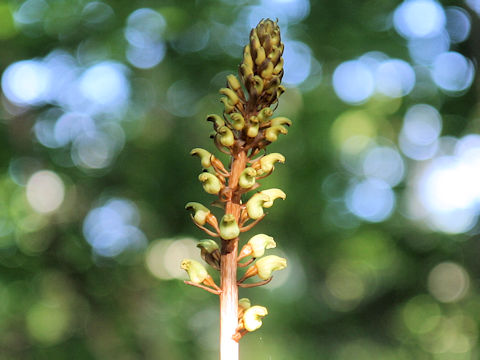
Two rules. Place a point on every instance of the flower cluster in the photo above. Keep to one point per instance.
(244, 130)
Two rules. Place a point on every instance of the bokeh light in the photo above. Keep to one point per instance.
(452, 72)
(105, 86)
(113, 228)
(27, 82)
(384, 163)
(372, 200)
(447, 187)
(448, 282)
(419, 18)
(394, 78)
(353, 82)
(164, 256)
(45, 191)
(458, 24)
(298, 62)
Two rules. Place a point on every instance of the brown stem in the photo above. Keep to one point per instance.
(252, 224)
(228, 271)
(213, 291)
(208, 231)
(239, 264)
(260, 283)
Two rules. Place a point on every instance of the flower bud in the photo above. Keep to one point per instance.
(255, 205)
(238, 122)
(271, 134)
(233, 98)
(279, 67)
(244, 303)
(268, 72)
(211, 184)
(268, 264)
(200, 212)
(281, 121)
(254, 127)
(226, 136)
(258, 84)
(273, 194)
(247, 178)
(246, 71)
(252, 318)
(210, 252)
(216, 120)
(274, 56)
(254, 41)
(229, 229)
(204, 156)
(247, 58)
(196, 271)
(260, 56)
(259, 243)
(233, 82)
(266, 163)
(264, 114)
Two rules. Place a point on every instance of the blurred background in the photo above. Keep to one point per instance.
(101, 103)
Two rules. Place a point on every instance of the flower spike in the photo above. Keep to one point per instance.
(243, 132)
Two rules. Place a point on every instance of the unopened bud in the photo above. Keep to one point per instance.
(254, 41)
(229, 229)
(268, 264)
(258, 84)
(244, 303)
(247, 57)
(260, 56)
(246, 71)
(279, 67)
(268, 72)
(211, 184)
